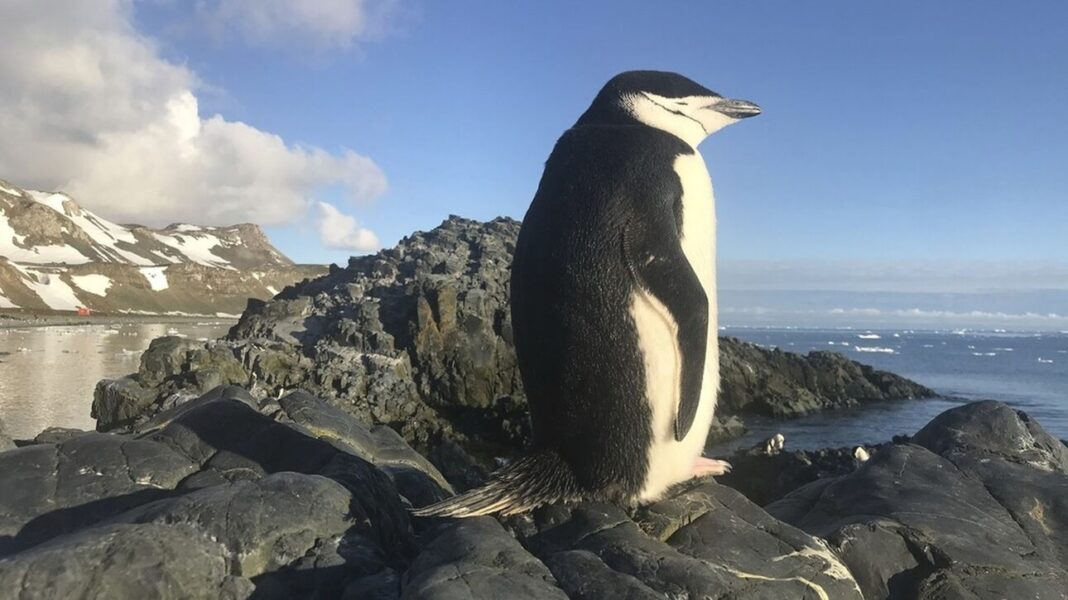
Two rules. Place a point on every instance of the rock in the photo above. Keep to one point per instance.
(51, 489)
(706, 541)
(783, 384)
(973, 509)
(253, 505)
(419, 338)
(477, 558)
(725, 428)
(765, 478)
(118, 402)
(55, 435)
(125, 561)
(6, 443)
(992, 429)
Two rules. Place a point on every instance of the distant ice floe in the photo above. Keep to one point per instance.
(1004, 349)
(156, 277)
(869, 336)
(928, 345)
(1045, 361)
(876, 349)
(984, 353)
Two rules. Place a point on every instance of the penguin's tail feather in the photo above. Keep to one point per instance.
(527, 483)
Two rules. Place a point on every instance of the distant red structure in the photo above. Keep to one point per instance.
(84, 311)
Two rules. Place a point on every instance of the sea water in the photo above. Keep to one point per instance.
(1026, 370)
(47, 374)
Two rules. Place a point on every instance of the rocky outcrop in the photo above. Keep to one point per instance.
(784, 384)
(228, 496)
(419, 338)
(974, 507)
(215, 494)
(224, 496)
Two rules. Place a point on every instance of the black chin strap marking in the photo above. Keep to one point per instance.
(677, 112)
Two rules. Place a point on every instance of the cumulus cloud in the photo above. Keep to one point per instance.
(342, 232)
(323, 24)
(88, 105)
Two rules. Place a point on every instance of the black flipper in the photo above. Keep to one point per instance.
(653, 252)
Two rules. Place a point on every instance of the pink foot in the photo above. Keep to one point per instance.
(708, 466)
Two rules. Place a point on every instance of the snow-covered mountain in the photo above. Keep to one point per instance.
(57, 255)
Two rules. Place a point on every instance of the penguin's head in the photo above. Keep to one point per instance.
(666, 101)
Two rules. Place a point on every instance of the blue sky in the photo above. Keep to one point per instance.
(927, 133)
(910, 130)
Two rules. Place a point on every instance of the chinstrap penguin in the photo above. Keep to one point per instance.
(613, 299)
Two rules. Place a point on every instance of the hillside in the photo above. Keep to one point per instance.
(56, 255)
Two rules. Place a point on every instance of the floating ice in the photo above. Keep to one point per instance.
(876, 349)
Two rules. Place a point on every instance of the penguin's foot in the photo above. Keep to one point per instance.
(709, 466)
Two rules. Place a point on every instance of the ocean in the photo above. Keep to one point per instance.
(1027, 370)
(47, 374)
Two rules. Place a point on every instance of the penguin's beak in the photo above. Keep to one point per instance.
(736, 109)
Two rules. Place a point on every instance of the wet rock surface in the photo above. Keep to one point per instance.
(228, 496)
(974, 507)
(419, 338)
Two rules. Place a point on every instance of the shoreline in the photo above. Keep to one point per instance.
(16, 320)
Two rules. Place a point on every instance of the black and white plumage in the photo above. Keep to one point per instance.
(613, 303)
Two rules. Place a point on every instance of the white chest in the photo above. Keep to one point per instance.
(671, 460)
(698, 218)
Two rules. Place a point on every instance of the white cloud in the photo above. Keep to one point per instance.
(89, 106)
(321, 24)
(341, 232)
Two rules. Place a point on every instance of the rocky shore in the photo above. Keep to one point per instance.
(419, 338)
(226, 496)
(282, 461)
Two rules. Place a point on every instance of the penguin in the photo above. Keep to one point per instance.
(613, 301)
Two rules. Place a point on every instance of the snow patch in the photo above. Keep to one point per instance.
(94, 284)
(156, 277)
(196, 248)
(52, 290)
(51, 200)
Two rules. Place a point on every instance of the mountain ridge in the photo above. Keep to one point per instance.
(56, 255)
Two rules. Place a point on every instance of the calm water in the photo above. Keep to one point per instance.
(1028, 371)
(47, 374)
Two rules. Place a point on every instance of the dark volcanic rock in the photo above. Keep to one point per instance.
(765, 479)
(419, 338)
(210, 498)
(125, 561)
(784, 384)
(477, 558)
(706, 541)
(226, 496)
(975, 508)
